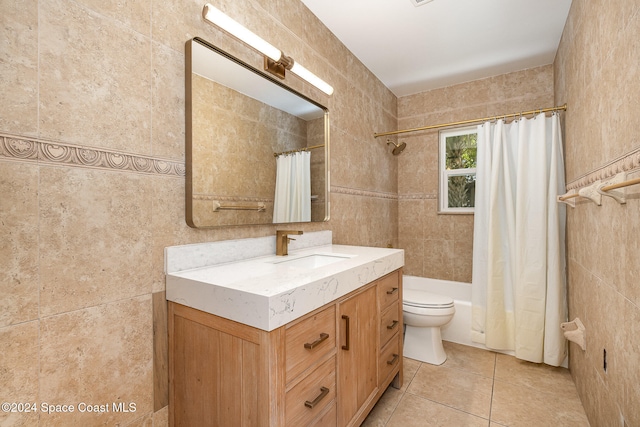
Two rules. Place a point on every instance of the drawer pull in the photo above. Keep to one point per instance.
(346, 318)
(310, 346)
(393, 324)
(392, 291)
(323, 392)
(394, 360)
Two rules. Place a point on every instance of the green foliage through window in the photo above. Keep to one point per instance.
(462, 191)
(458, 151)
(461, 151)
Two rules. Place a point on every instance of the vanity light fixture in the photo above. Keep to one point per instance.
(275, 61)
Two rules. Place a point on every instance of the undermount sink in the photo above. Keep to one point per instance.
(313, 260)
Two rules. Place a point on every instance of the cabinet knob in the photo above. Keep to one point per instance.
(392, 325)
(392, 291)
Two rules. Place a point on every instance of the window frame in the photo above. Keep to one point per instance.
(444, 173)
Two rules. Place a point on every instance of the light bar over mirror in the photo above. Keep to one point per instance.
(276, 61)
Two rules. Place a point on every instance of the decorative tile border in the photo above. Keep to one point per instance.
(364, 193)
(46, 152)
(625, 163)
(418, 196)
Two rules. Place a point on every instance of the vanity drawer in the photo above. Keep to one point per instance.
(329, 419)
(308, 340)
(308, 399)
(389, 357)
(390, 323)
(388, 289)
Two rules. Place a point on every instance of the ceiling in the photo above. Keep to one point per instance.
(444, 42)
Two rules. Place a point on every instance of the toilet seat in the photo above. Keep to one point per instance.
(423, 299)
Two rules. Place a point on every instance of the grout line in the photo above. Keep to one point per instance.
(393, 410)
(403, 393)
(39, 397)
(493, 385)
(488, 419)
(409, 380)
(447, 406)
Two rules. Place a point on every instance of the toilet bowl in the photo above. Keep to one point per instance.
(424, 313)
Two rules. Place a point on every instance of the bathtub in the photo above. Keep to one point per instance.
(459, 329)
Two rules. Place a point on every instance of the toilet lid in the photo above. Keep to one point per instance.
(418, 298)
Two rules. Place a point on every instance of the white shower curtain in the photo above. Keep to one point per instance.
(519, 281)
(292, 201)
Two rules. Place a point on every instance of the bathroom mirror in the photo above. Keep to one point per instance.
(237, 119)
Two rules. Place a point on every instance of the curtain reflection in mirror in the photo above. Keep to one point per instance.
(292, 202)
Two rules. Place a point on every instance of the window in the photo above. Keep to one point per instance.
(458, 150)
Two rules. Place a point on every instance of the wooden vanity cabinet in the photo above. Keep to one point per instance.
(314, 371)
(357, 355)
(374, 358)
(310, 364)
(391, 325)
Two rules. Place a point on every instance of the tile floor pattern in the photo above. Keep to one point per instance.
(475, 387)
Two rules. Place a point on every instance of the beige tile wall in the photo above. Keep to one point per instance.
(82, 243)
(83, 246)
(441, 246)
(597, 74)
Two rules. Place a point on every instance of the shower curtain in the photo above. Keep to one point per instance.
(292, 202)
(519, 280)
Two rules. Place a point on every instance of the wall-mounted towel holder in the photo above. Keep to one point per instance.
(574, 331)
(217, 207)
(613, 187)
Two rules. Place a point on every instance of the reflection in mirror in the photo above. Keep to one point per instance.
(237, 120)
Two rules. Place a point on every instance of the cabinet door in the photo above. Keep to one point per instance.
(222, 373)
(357, 353)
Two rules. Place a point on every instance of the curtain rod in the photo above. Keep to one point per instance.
(298, 150)
(465, 122)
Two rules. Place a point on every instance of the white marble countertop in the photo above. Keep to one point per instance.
(265, 292)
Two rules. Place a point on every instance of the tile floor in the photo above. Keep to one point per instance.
(475, 387)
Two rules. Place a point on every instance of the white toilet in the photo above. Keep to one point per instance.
(424, 313)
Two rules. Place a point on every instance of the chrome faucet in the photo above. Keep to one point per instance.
(282, 241)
